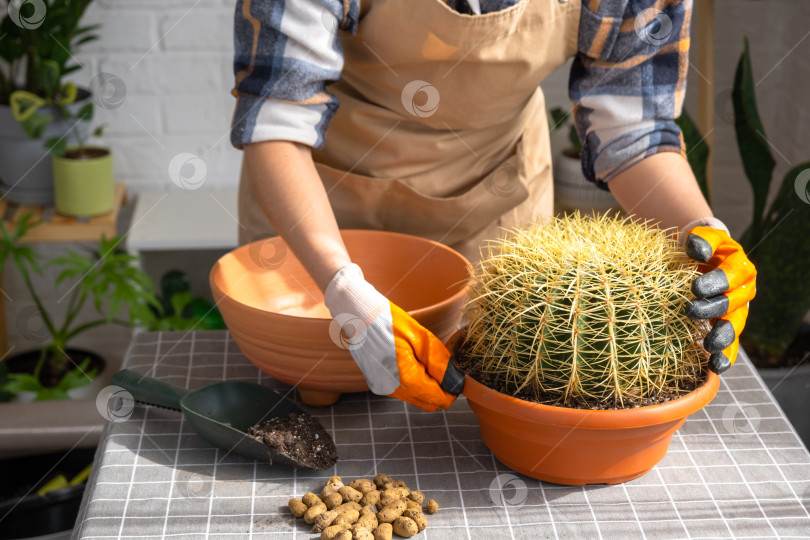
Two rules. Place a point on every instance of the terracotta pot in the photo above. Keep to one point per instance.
(276, 315)
(577, 446)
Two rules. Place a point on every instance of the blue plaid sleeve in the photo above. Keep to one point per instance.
(628, 82)
(285, 52)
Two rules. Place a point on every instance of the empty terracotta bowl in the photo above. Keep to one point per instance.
(276, 315)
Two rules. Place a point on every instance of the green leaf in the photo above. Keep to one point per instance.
(36, 124)
(556, 118)
(57, 145)
(86, 112)
(99, 131)
(782, 260)
(48, 74)
(24, 104)
(697, 151)
(22, 382)
(77, 377)
(67, 93)
(754, 151)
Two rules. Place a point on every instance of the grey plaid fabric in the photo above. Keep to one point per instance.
(735, 469)
(627, 81)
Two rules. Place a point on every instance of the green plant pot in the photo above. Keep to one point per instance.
(83, 187)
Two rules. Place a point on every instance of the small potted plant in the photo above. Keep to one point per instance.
(82, 175)
(572, 191)
(580, 361)
(108, 277)
(38, 47)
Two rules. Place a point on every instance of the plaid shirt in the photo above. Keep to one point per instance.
(627, 80)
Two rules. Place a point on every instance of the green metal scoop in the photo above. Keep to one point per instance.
(220, 413)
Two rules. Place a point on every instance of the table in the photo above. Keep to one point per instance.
(736, 468)
(184, 220)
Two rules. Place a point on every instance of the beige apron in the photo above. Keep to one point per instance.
(441, 130)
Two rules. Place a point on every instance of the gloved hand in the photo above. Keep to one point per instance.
(723, 291)
(398, 357)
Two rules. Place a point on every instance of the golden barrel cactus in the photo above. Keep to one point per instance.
(585, 311)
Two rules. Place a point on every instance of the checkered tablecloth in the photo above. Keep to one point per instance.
(735, 469)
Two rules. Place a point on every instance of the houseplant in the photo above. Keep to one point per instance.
(581, 362)
(108, 278)
(82, 175)
(38, 48)
(776, 241)
(572, 191)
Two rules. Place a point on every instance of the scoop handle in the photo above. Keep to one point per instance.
(149, 390)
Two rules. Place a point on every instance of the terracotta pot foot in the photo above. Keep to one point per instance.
(318, 398)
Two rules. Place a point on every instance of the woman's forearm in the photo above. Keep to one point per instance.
(291, 194)
(661, 188)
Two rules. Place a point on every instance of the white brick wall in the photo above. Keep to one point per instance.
(174, 57)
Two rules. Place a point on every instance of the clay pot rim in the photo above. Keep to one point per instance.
(221, 296)
(538, 413)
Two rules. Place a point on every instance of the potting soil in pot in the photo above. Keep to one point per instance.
(299, 436)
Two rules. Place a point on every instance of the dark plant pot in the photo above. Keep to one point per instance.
(28, 515)
(791, 388)
(578, 446)
(24, 363)
(26, 175)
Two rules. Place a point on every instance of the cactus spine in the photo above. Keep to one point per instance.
(585, 308)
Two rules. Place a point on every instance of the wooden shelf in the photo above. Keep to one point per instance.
(55, 227)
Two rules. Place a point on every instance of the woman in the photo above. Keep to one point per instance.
(437, 127)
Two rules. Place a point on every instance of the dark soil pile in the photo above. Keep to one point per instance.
(499, 383)
(299, 436)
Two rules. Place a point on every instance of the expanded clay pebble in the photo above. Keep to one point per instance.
(373, 509)
(416, 496)
(372, 497)
(332, 500)
(384, 531)
(418, 518)
(350, 494)
(405, 527)
(381, 479)
(313, 512)
(369, 521)
(361, 533)
(332, 531)
(363, 485)
(431, 507)
(297, 507)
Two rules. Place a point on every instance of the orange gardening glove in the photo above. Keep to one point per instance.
(723, 291)
(398, 356)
